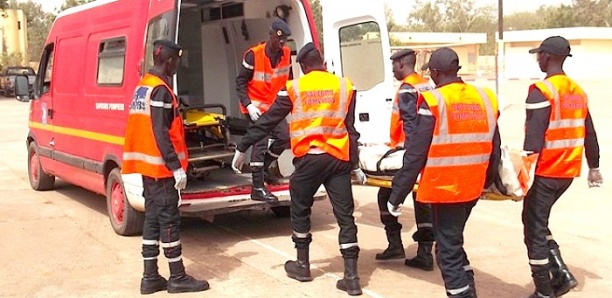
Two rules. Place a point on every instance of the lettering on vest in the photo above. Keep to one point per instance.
(572, 102)
(318, 97)
(140, 98)
(463, 111)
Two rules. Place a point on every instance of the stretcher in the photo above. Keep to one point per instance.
(207, 137)
(380, 163)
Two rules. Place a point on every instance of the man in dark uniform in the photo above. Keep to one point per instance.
(403, 120)
(264, 71)
(557, 103)
(441, 147)
(324, 141)
(155, 147)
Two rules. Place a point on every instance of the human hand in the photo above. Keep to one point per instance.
(360, 176)
(595, 179)
(254, 112)
(180, 179)
(394, 210)
(238, 161)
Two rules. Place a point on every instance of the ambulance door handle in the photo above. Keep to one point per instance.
(50, 113)
(52, 143)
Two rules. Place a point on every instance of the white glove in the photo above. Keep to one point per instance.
(393, 210)
(595, 179)
(254, 112)
(238, 161)
(359, 176)
(180, 178)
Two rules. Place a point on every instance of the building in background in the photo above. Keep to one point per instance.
(465, 44)
(591, 52)
(14, 41)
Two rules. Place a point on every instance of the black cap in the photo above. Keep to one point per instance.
(280, 28)
(555, 45)
(307, 49)
(443, 59)
(401, 54)
(169, 45)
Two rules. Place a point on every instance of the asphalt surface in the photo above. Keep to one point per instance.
(60, 244)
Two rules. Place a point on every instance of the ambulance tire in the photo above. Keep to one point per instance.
(282, 211)
(124, 219)
(39, 180)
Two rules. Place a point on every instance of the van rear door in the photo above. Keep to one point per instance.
(356, 45)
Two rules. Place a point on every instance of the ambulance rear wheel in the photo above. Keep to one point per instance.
(281, 211)
(124, 219)
(39, 180)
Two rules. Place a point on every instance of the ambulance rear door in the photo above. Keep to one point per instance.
(356, 45)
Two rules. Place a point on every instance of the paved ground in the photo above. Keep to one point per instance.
(60, 243)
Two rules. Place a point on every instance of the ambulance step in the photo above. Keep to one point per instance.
(209, 155)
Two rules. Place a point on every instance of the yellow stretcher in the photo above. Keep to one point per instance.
(485, 195)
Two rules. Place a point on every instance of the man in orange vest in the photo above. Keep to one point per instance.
(324, 142)
(265, 70)
(456, 148)
(155, 148)
(403, 120)
(558, 128)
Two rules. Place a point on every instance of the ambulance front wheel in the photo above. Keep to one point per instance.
(39, 180)
(124, 219)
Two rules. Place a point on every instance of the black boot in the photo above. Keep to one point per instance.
(562, 279)
(269, 177)
(544, 289)
(151, 281)
(471, 281)
(469, 293)
(423, 259)
(259, 192)
(350, 282)
(299, 269)
(395, 250)
(180, 282)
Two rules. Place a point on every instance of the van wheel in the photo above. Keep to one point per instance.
(39, 180)
(124, 219)
(282, 211)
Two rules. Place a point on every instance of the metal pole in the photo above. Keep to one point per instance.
(498, 44)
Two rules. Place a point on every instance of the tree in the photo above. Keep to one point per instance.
(3, 4)
(71, 3)
(426, 16)
(317, 12)
(38, 24)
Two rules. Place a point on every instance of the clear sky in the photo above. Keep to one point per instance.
(400, 8)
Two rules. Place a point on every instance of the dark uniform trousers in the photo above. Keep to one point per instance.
(422, 215)
(449, 222)
(312, 171)
(260, 150)
(162, 219)
(536, 210)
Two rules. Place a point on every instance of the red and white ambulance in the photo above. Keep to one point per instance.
(95, 55)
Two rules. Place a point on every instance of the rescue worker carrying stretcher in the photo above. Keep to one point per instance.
(324, 142)
(456, 147)
(403, 120)
(265, 69)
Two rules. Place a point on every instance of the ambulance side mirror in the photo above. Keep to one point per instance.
(22, 88)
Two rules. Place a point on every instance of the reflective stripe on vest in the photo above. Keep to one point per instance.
(455, 170)
(561, 155)
(318, 114)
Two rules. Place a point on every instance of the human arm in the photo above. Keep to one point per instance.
(162, 116)
(245, 74)
(415, 157)
(354, 135)
(537, 109)
(407, 96)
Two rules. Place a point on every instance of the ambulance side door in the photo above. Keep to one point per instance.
(356, 45)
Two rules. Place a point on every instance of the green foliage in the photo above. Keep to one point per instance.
(71, 3)
(38, 23)
(11, 59)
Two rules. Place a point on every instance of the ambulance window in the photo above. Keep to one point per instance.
(45, 70)
(159, 28)
(111, 61)
(362, 54)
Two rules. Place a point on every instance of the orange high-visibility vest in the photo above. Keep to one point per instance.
(320, 103)
(267, 81)
(140, 152)
(397, 135)
(561, 156)
(466, 118)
